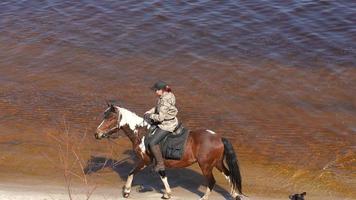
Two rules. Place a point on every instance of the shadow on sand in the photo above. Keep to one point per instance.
(147, 180)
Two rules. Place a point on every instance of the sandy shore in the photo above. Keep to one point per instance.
(107, 186)
(20, 192)
(36, 189)
(15, 191)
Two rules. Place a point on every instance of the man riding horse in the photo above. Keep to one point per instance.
(162, 115)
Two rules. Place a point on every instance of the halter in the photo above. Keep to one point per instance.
(118, 127)
(106, 135)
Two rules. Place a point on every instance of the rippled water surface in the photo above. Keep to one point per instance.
(276, 77)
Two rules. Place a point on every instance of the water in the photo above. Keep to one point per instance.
(276, 77)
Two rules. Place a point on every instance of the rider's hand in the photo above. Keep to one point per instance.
(147, 117)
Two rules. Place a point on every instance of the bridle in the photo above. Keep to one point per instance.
(108, 134)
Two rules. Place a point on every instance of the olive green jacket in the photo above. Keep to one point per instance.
(165, 112)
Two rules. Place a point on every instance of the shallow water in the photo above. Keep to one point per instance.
(278, 78)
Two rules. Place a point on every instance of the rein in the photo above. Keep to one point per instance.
(108, 135)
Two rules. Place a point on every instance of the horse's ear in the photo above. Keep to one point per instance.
(116, 108)
(107, 103)
(113, 108)
(304, 193)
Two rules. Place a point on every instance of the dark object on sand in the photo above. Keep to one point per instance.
(297, 196)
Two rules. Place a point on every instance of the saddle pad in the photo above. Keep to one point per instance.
(172, 146)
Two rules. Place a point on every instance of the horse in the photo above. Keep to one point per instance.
(206, 147)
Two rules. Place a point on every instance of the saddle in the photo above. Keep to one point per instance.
(173, 145)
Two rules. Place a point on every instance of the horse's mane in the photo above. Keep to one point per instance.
(130, 118)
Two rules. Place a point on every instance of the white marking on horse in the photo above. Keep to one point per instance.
(166, 184)
(210, 131)
(128, 184)
(101, 124)
(206, 195)
(131, 119)
(134, 121)
(142, 146)
(226, 177)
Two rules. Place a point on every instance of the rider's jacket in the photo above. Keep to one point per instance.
(165, 112)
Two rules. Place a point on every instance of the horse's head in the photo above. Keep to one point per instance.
(297, 196)
(110, 123)
(118, 118)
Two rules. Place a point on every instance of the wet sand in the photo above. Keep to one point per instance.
(259, 180)
(44, 190)
(19, 192)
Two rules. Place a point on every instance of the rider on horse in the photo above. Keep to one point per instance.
(164, 116)
(208, 148)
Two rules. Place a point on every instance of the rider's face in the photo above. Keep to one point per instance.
(159, 92)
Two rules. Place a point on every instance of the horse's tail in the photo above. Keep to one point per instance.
(233, 165)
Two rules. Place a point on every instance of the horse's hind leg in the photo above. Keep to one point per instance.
(222, 168)
(208, 173)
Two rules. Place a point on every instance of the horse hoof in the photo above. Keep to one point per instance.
(166, 196)
(126, 195)
(125, 192)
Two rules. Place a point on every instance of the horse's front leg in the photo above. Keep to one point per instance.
(127, 188)
(168, 191)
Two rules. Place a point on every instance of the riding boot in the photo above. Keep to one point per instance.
(156, 151)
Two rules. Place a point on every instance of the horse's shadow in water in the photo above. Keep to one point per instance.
(148, 180)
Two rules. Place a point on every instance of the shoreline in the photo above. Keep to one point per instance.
(56, 192)
(143, 189)
(16, 191)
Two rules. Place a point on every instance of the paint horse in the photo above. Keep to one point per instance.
(206, 147)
